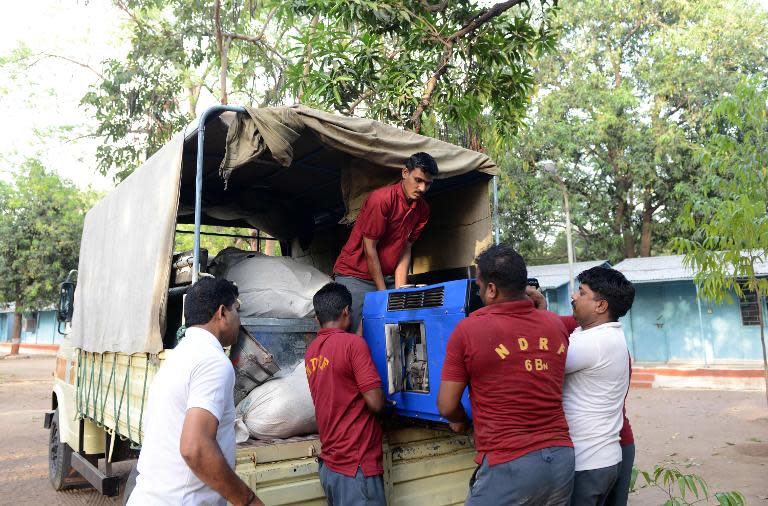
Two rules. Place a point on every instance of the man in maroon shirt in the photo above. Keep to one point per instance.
(346, 391)
(512, 356)
(379, 247)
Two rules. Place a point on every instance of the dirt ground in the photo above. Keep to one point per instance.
(722, 436)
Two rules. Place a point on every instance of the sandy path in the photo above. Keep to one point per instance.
(723, 436)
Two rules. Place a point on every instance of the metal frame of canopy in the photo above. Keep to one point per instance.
(207, 115)
(214, 112)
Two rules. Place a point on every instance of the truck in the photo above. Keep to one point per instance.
(299, 175)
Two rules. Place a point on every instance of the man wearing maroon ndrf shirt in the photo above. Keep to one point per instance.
(512, 356)
(346, 391)
(379, 247)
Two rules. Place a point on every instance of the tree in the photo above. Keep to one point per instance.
(415, 64)
(419, 63)
(620, 109)
(725, 227)
(41, 221)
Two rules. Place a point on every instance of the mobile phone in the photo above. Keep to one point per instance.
(533, 282)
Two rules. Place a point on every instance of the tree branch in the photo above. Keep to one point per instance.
(363, 97)
(266, 22)
(308, 55)
(442, 67)
(435, 7)
(125, 9)
(260, 39)
(483, 18)
(222, 45)
(70, 60)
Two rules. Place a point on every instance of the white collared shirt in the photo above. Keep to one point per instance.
(196, 374)
(596, 382)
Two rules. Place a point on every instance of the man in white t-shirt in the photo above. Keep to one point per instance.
(188, 453)
(596, 381)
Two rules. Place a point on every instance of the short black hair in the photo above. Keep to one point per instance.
(611, 286)
(330, 301)
(504, 267)
(424, 161)
(204, 298)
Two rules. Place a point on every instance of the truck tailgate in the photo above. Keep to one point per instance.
(420, 467)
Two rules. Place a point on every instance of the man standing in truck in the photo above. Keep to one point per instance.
(513, 358)
(377, 254)
(188, 453)
(346, 391)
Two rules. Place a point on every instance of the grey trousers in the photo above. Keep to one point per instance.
(542, 477)
(358, 288)
(591, 488)
(341, 490)
(620, 491)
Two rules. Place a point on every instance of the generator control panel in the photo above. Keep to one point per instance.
(407, 332)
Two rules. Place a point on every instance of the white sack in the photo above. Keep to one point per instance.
(280, 408)
(270, 287)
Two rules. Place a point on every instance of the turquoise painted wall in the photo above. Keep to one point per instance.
(45, 333)
(665, 325)
(559, 300)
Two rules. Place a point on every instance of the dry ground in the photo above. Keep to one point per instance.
(723, 436)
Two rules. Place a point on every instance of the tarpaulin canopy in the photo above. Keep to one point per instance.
(293, 172)
(125, 259)
(377, 151)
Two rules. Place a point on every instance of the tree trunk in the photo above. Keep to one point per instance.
(646, 230)
(308, 57)
(222, 45)
(629, 243)
(761, 306)
(269, 246)
(16, 334)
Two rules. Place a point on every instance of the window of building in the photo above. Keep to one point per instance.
(749, 308)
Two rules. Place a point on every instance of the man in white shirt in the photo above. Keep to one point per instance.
(188, 452)
(596, 381)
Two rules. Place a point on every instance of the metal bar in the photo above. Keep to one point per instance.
(496, 231)
(106, 485)
(249, 237)
(178, 290)
(81, 437)
(701, 324)
(568, 236)
(207, 115)
(282, 324)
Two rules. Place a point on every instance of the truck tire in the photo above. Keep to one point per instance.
(60, 471)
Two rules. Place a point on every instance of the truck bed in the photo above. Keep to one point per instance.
(421, 466)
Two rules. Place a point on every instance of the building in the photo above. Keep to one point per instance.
(676, 339)
(37, 327)
(553, 280)
(669, 324)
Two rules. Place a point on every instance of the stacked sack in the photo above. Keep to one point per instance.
(280, 408)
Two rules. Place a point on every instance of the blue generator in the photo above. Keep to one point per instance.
(407, 332)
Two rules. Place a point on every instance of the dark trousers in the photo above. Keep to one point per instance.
(358, 288)
(342, 490)
(591, 488)
(620, 491)
(541, 478)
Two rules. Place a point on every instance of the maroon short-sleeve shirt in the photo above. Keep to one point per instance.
(339, 370)
(388, 217)
(513, 358)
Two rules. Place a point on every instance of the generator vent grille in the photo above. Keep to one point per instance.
(400, 301)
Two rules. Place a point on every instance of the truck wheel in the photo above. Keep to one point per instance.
(60, 470)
